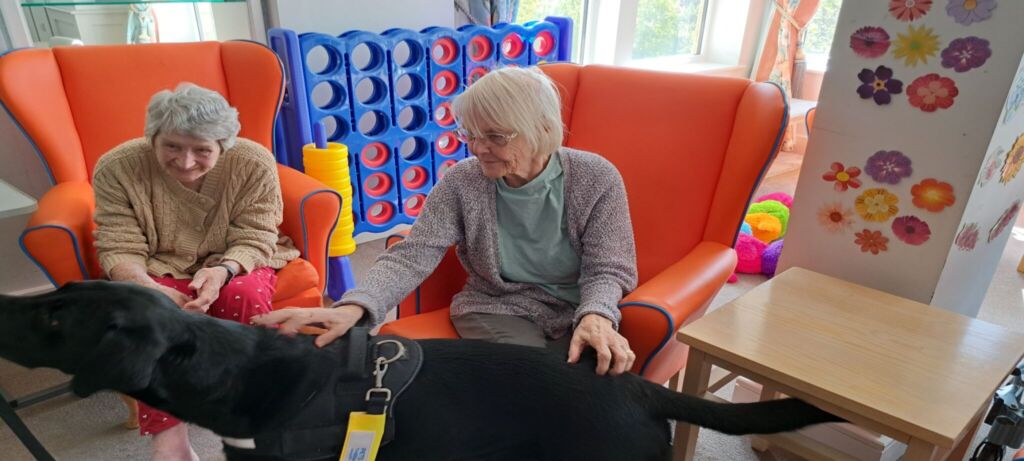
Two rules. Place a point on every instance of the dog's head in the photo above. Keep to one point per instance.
(107, 334)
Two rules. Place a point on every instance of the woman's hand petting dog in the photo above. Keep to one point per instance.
(179, 298)
(337, 320)
(613, 352)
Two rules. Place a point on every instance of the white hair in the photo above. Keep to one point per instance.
(193, 111)
(514, 99)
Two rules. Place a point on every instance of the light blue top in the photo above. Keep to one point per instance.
(533, 238)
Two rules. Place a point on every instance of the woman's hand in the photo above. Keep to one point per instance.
(613, 352)
(338, 320)
(207, 282)
(179, 298)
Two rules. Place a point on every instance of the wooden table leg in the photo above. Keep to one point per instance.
(767, 393)
(919, 450)
(695, 380)
(960, 450)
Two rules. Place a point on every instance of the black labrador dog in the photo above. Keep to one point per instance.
(471, 400)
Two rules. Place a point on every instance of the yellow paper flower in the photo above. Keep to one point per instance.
(1014, 161)
(916, 46)
(877, 205)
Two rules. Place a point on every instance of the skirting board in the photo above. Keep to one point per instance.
(852, 440)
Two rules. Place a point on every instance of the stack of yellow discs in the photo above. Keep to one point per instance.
(329, 165)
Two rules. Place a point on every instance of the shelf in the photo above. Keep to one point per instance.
(33, 3)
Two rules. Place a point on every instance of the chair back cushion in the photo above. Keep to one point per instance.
(668, 134)
(76, 103)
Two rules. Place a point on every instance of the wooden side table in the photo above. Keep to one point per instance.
(919, 374)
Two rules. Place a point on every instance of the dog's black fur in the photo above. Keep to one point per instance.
(472, 400)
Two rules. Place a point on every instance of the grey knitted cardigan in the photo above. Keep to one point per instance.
(461, 211)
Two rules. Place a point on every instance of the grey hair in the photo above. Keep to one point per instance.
(514, 99)
(193, 111)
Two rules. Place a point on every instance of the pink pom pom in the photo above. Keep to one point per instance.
(782, 197)
(748, 251)
(770, 258)
(733, 278)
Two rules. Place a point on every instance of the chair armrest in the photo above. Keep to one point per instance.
(61, 228)
(437, 291)
(310, 213)
(680, 294)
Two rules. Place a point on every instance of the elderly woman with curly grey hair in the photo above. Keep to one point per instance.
(193, 211)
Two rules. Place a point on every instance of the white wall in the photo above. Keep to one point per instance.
(22, 169)
(337, 16)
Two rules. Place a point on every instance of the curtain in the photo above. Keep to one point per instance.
(782, 56)
(485, 12)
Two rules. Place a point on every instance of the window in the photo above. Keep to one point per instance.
(668, 28)
(819, 33)
(536, 10)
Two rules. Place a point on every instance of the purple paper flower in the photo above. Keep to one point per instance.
(964, 54)
(878, 84)
(870, 42)
(967, 12)
(888, 166)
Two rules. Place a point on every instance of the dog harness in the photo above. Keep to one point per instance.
(379, 369)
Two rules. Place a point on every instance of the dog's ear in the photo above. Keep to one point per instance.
(124, 360)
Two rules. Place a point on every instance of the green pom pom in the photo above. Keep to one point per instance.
(774, 208)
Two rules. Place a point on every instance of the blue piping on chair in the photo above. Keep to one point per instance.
(39, 153)
(74, 242)
(305, 230)
(775, 152)
(665, 338)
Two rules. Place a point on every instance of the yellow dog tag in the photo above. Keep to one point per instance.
(362, 440)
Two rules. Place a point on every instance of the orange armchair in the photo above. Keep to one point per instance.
(691, 150)
(76, 103)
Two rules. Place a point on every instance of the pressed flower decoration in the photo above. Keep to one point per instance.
(916, 46)
(843, 177)
(870, 42)
(964, 54)
(871, 241)
(888, 166)
(1004, 221)
(967, 238)
(877, 205)
(933, 195)
(967, 12)
(991, 167)
(909, 10)
(931, 92)
(835, 217)
(1014, 161)
(879, 85)
(1016, 99)
(911, 230)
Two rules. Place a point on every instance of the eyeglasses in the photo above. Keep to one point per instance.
(496, 139)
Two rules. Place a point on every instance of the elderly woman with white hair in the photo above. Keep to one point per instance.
(543, 232)
(191, 210)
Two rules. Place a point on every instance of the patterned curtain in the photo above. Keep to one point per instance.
(485, 12)
(782, 46)
(782, 56)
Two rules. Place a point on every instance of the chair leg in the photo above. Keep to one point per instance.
(132, 422)
(21, 431)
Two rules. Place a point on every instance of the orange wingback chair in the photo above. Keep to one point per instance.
(691, 150)
(76, 103)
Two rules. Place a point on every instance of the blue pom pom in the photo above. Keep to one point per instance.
(745, 228)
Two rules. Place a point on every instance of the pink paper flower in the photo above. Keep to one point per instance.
(968, 237)
(844, 178)
(931, 92)
(911, 230)
(870, 42)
